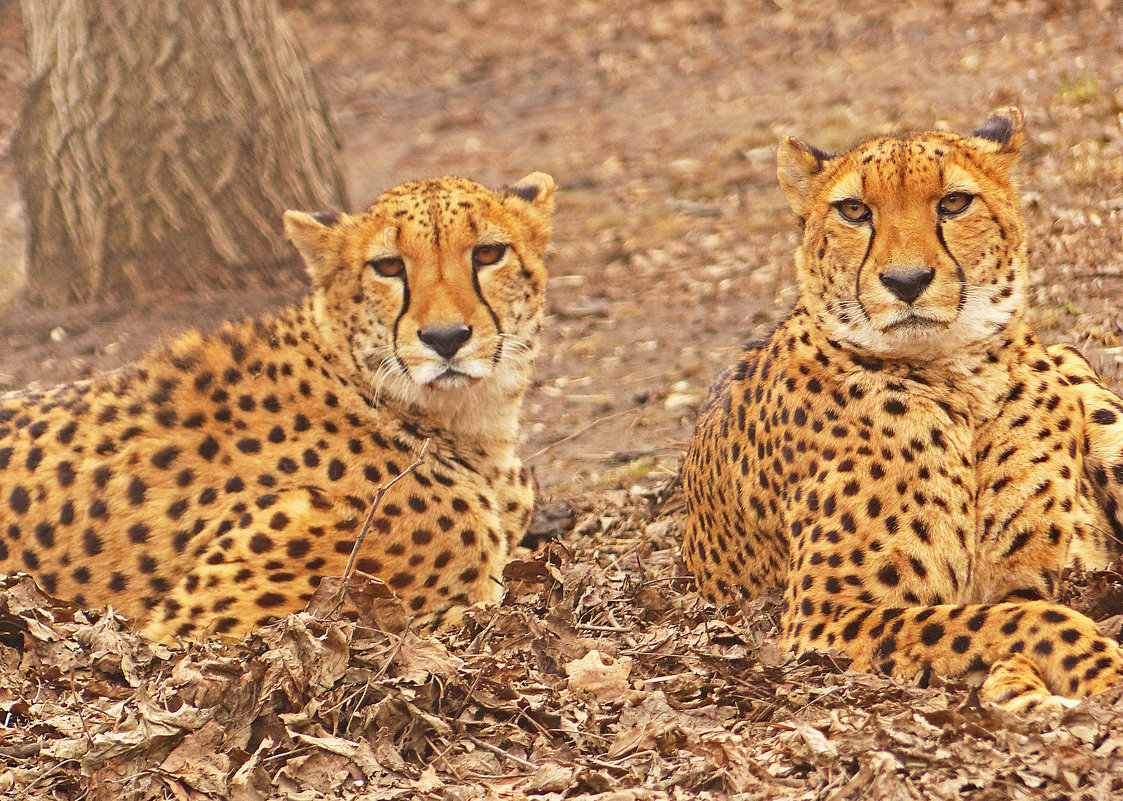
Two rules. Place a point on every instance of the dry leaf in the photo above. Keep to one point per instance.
(604, 677)
(420, 658)
(372, 601)
(199, 763)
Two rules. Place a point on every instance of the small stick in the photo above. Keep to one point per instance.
(451, 768)
(394, 655)
(21, 750)
(661, 579)
(382, 489)
(477, 644)
(468, 698)
(500, 752)
(382, 671)
(78, 709)
(576, 433)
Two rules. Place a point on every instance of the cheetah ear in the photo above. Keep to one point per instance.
(797, 163)
(537, 188)
(1003, 134)
(309, 232)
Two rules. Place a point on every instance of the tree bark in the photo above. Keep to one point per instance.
(160, 143)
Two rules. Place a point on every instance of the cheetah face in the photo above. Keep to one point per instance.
(913, 245)
(437, 288)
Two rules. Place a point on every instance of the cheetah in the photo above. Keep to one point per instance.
(902, 455)
(210, 486)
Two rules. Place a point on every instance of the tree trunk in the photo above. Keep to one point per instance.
(160, 142)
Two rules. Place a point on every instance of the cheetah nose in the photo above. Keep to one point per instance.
(908, 284)
(445, 339)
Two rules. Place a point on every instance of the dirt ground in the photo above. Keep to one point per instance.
(673, 246)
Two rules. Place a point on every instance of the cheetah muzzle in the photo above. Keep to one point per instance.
(211, 486)
(902, 454)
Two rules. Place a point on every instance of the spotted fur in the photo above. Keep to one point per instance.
(209, 487)
(903, 454)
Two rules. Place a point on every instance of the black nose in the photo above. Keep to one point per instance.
(908, 284)
(446, 339)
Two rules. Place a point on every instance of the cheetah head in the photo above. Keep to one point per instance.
(435, 293)
(913, 245)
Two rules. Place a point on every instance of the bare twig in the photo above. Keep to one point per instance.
(21, 750)
(577, 433)
(470, 696)
(382, 489)
(78, 709)
(440, 754)
(362, 695)
(393, 655)
(283, 755)
(662, 579)
(545, 732)
(49, 773)
(478, 642)
(522, 763)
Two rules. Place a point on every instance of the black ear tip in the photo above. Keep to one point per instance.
(1000, 127)
(821, 155)
(328, 218)
(527, 191)
(996, 129)
(811, 157)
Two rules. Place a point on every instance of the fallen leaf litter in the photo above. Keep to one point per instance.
(601, 675)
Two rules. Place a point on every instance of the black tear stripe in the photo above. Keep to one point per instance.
(958, 269)
(494, 319)
(398, 319)
(862, 266)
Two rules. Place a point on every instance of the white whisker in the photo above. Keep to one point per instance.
(517, 345)
(387, 369)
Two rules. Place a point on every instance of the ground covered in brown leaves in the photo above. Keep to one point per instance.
(601, 675)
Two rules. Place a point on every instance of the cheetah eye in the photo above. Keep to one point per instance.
(853, 210)
(389, 267)
(954, 202)
(486, 255)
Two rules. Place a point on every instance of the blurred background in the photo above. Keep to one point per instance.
(657, 118)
